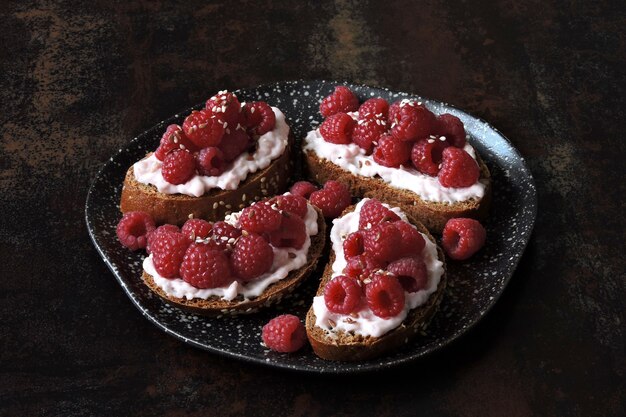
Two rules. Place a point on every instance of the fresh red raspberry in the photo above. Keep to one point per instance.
(194, 228)
(342, 295)
(381, 242)
(163, 228)
(452, 128)
(385, 295)
(224, 234)
(412, 241)
(168, 250)
(260, 117)
(462, 238)
(427, 154)
(251, 257)
(413, 122)
(373, 213)
(178, 167)
(342, 100)
(291, 234)
(411, 272)
(284, 333)
(374, 108)
(226, 106)
(392, 152)
(303, 189)
(353, 245)
(203, 128)
(458, 168)
(293, 204)
(260, 218)
(205, 267)
(234, 144)
(210, 161)
(173, 138)
(338, 128)
(332, 199)
(362, 266)
(367, 133)
(134, 228)
(393, 113)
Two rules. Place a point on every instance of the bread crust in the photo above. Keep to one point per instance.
(273, 294)
(213, 205)
(433, 215)
(350, 347)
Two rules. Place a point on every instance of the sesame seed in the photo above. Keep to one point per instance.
(431, 140)
(251, 110)
(442, 138)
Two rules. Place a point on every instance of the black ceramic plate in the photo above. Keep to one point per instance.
(475, 285)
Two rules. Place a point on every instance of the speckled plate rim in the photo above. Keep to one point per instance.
(339, 367)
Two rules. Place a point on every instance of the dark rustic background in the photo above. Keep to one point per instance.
(79, 79)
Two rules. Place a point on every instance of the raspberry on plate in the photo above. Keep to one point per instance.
(412, 241)
(373, 213)
(260, 218)
(413, 122)
(382, 241)
(173, 138)
(293, 204)
(178, 167)
(226, 106)
(234, 144)
(458, 168)
(168, 250)
(134, 228)
(367, 133)
(303, 189)
(284, 333)
(374, 107)
(342, 100)
(463, 237)
(384, 295)
(210, 161)
(260, 117)
(205, 267)
(353, 245)
(338, 128)
(332, 199)
(427, 154)
(343, 295)
(203, 128)
(392, 152)
(196, 228)
(290, 234)
(153, 234)
(251, 257)
(410, 272)
(451, 127)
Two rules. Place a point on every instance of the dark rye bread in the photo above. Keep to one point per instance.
(433, 215)
(273, 294)
(351, 347)
(213, 205)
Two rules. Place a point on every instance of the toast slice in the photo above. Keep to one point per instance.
(339, 345)
(216, 305)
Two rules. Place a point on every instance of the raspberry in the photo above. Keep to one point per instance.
(361, 266)
(284, 333)
(411, 241)
(173, 138)
(134, 228)
(342, 100)
(223, 234)
(462, 238)
(413, 122)
(260, 218)
(226, 106)
(338, 128)
(291, 234)
(194, 228)
(411, 272)
(163, 228)
(203, 128)
(342, 295)
(458, 168)
(178, 167)
(367, 133)
(332, 199)
(234, 144)
(394, 111)
(210, 161)
(374, 107)
(205, 267)
(385, 295)
(373, 213)
(392, 152)
(251, 257)
(381, 242)
(260, 117)
(353, 245)
(452, 128)
(303, 189)
(293, 204)
(426, 155)
(168, 250)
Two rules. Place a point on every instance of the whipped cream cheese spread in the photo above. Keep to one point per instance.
(366, 323)
(353, 158)
(285, 261)
(269, 147)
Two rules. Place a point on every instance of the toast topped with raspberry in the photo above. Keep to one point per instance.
(401, 153)
(383, 283)
(250, 260)
(220, 160)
